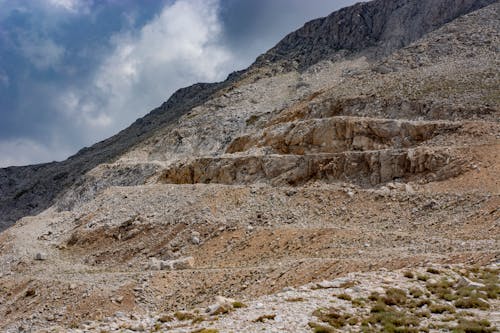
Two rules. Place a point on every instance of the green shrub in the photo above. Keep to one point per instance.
(471, 303)
(345, 297)
(441, 308)
(473, 326)
(409, 275)
(332, 316)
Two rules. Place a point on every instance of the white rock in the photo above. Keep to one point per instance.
(409, 189)
(463, 281)
(154, 264)
(183, 263)
(224, 300)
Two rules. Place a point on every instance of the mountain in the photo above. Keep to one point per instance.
(374, 28)
(366, 141)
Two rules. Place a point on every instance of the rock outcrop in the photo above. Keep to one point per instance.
(373, 28)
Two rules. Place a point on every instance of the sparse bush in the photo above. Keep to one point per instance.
(358, 302)
(433, 270)
(165, 318)
(264, 318)
(442, 289)
(441, 308)
(423, 314)
(416, 292)
(422, 302)
(374, 296)
(473, 326)
(471, 303)
(422, 277)
(295, 299)
(492, 290)
(394, 321)
(395, 296)
(198, 319)
(344, 297)
(318, 328)
(409, 275)
(206, 330)
(181, 316)
(332, 316)
(349, 284)
(239, 305)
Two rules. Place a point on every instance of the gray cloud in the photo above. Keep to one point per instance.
(26, 151)
(43, 53)
(86, 91)
(178, 47)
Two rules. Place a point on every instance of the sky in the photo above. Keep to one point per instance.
(74, 72)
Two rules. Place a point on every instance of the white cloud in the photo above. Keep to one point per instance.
(72, 6)
(178, 47)
(43, 53)
(23, 151)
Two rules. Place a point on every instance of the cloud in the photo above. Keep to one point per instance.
(4, 78)
(180, 46)
(43, 53)
(72, 6)
(25, 151)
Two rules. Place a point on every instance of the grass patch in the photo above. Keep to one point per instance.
(374, 296)
(358, 302)
(442, 289)
(473, 326)
(441, 308)
(295, 299)
(264, 318)
(471, 303)
(395, 296)
(165, 318)
(239, 305)
(182, 316)
(416, 292)
(344, 297)
(348, 284)
(422, 277)
(433, 270)
(332, 316)
(391, 320)
(318, 328)
(408, 275)
(198, 319)
(206, 330)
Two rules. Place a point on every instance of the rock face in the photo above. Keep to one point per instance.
(361, 168)
(375, 28)
(312, 164)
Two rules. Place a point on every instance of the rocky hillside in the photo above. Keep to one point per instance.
(365, 145)
(373, 29)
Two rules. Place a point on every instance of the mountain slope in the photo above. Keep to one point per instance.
(281, 178)
(374, 28)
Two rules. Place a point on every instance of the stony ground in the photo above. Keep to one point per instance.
(384, 174)
(432, 299)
